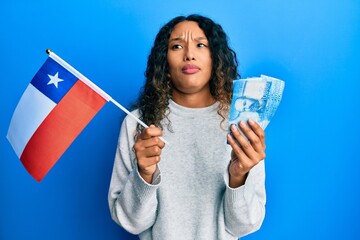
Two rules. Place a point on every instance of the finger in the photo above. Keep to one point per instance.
(151, 131)
(254, 139)
(160, 143)
(233, 155)
(149, 152)
(148, 162)
(238, 151)
(244, 143)
(153, 141)
(240, 164)
(258, 131)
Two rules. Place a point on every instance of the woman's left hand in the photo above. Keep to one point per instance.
(246, 153)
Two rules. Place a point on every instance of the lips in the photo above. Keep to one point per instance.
(190, 69)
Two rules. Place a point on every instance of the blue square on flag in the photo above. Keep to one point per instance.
(53, 80)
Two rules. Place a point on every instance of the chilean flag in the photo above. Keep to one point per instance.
(55, 107)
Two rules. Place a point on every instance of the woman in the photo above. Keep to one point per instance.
(189, 189)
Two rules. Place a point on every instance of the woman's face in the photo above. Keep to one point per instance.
(189, 58)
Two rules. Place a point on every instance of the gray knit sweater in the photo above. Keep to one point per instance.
(189, 197)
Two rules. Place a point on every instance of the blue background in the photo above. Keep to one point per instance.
(312, 160)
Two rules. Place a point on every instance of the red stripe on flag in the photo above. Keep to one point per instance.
(60, 128)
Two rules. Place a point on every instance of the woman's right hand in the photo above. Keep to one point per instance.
(148, 148)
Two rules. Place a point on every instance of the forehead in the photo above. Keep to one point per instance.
(187, 27)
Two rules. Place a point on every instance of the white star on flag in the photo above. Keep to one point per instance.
(54, 79)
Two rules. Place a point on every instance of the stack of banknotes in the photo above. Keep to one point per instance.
(255, 98)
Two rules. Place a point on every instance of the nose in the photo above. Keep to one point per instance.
(189, 54)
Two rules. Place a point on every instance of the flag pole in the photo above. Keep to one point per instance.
(96, 88)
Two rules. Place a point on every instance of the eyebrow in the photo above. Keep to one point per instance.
(182, 39)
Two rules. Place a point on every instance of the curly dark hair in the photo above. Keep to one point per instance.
(154, 98)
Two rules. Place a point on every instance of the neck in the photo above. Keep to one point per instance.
(196, 100)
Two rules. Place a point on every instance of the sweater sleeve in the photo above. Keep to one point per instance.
(244, 207)
(132, 201)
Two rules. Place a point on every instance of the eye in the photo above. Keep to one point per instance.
(201, 45)
(176, 46)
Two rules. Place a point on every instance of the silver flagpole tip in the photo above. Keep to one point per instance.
(48, 51)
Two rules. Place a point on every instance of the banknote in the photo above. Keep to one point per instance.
(255, 98)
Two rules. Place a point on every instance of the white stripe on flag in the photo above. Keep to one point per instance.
(33, 108)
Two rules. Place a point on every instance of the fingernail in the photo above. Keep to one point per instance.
(242, 124)
(233, 127)
(251, 121)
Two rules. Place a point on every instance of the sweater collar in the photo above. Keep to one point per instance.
(192, 112)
